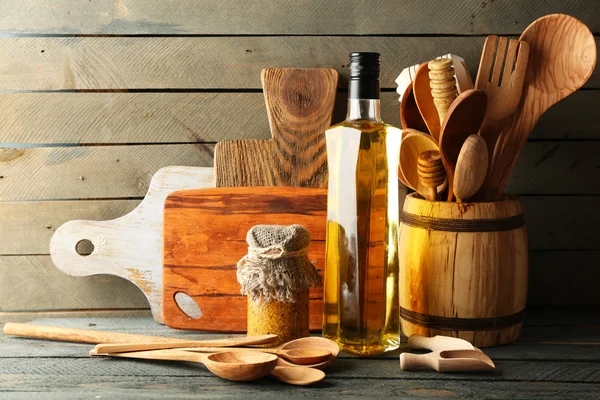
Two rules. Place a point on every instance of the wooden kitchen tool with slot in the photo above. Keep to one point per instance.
(130, 246)
(205, 236)
(299, 106)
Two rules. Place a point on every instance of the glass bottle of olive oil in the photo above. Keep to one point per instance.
(361, 262)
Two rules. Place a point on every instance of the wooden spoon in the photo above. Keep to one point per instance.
(144, 341)
(463, 119)
(297, 356)
(311, 342)
(562, 57)
(471, 168)
(410, 117)
(298, 375)
(448, 361)
(424, 100)
(412, 146)
(234, 366)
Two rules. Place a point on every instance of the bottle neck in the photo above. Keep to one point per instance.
(363, 100)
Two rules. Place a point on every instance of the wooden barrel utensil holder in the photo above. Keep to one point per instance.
(463, 269)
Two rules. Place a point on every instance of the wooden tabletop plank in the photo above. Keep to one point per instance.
(67, 63)
(223, 17)
(113, 118)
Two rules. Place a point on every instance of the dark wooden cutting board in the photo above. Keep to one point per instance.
(205, 236)
(299, 106)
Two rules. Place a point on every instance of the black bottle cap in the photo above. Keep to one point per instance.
(364, 65)
(364, 76)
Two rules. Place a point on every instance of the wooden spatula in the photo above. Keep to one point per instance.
(503, 85)
(299, 106)
(562, 57)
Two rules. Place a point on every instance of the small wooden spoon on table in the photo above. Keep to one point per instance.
(463, 119)
(471, 168)
(562, 57)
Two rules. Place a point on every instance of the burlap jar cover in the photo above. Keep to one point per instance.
(276, 275)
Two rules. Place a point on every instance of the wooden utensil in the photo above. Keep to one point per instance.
(447, 361)
(130, 246)
(205, 236)
(463, 119)
(299, 106)
(443, 85)
(424, 100)
(438, 343)
(562, 57)
(431, 172)
(95, 337)
(413, 144)
(296, 356)
(298, 375)
(242, 366)
(410, 117)
(503, 86)
(471, 168)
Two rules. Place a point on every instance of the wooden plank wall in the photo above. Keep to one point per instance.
(95, 96)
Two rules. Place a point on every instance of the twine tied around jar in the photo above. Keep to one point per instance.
(277, 265)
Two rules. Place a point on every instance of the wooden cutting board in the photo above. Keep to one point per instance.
(299, 106)
(205, 236)
(129, 246)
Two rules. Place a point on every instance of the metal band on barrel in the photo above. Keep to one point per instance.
(463, 225)
(461, 324)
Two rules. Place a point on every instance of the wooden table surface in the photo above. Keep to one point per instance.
(558, 356)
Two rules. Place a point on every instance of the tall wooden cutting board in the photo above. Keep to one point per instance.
(205, 236)
(299, 106)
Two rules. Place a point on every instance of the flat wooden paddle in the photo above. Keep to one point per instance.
(299, 106)
(463, 119)
(205, 236)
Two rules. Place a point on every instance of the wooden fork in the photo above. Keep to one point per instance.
(503, 86)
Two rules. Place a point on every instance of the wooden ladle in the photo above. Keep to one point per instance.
(463, 119)
(447, 361)
(562, 57)
(234, 366)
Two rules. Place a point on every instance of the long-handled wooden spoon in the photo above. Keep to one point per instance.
(463, 119)
(424, 100)
(562, 57)
(246, 365)
(303, 346)
(297, 356)
(447, 361)
(471, 168)
(410, 117)
(95, 337)
(235, 366)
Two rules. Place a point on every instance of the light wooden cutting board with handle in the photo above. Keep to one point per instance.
(129, 246)
(205, 236)
(299, 106)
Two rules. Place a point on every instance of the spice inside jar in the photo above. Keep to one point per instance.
(276, 275)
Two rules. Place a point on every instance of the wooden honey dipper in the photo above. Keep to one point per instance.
(431, 172)
(443, 85)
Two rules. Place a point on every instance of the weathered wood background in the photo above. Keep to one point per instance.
(104, 93)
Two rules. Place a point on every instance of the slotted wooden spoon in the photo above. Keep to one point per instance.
(562, 57)
(503, 85)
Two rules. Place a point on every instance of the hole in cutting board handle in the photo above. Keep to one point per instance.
(84, 247)
(187, 305)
